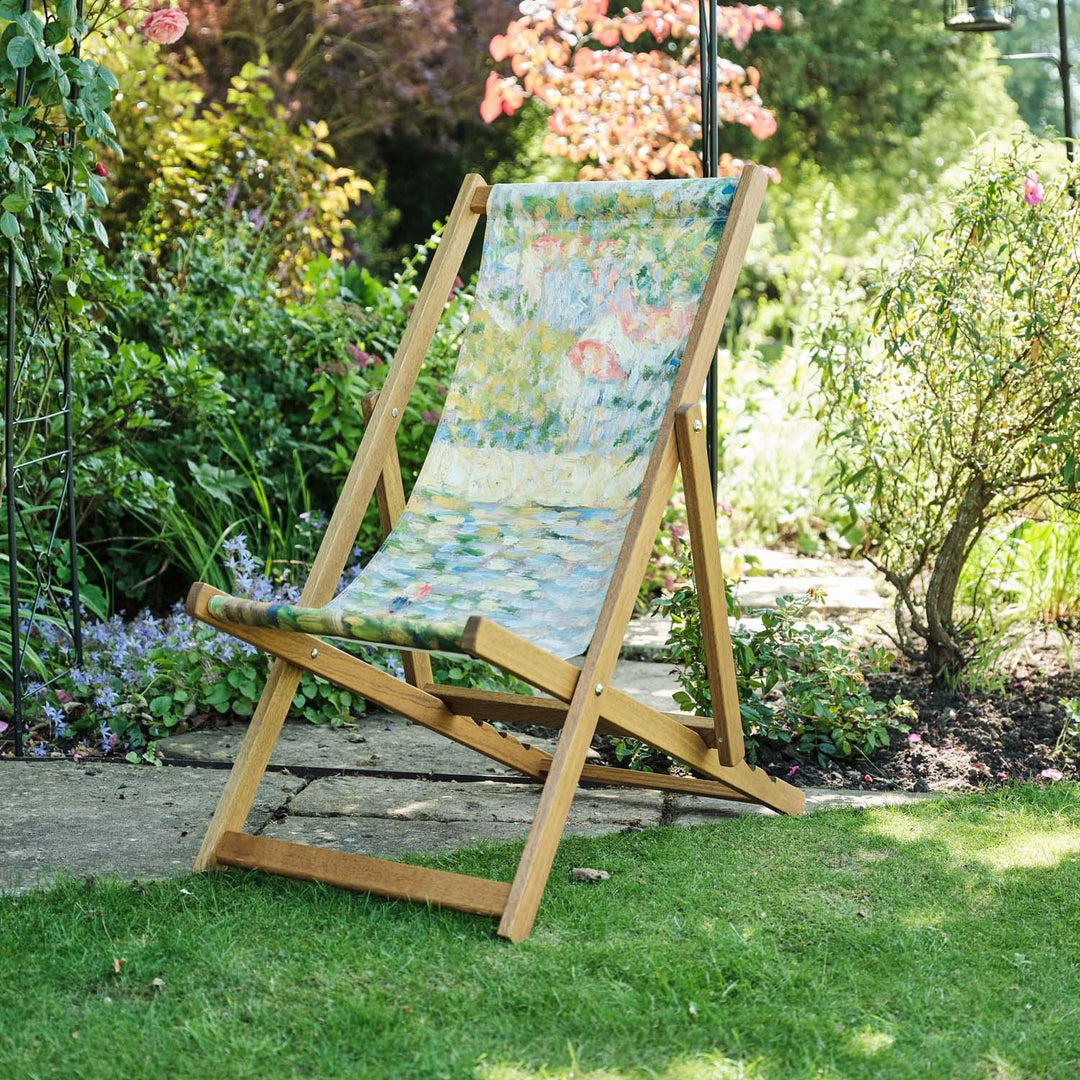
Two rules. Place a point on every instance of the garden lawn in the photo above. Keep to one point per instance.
(937, 939)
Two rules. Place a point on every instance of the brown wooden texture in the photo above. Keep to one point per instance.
(480, 199)
(382, 877)
(709, 583)
(591, 688)
(686, 785)
(541, 711)
(265, 726)
(313, 654)
(489, 641)
(390, 499)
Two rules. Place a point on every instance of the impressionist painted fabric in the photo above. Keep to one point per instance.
(583, 308)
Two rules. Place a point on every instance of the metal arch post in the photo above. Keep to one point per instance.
(708, 46)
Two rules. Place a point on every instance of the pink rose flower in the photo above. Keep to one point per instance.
(1034, 193)
(914, 737)
(99, 169)
(792, 771)
(164, 26)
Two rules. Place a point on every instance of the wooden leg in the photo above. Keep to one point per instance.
(247, 772)
(551, 813)
(709, 580)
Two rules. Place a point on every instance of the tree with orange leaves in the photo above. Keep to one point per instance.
(626, 113)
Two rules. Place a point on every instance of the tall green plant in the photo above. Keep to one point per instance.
(951, 401)
(800, 683)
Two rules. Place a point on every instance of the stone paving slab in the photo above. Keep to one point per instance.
(383, 741)
(378, 741)
(842, 594)
(137, 822)
(698, 810)
(424, 800)
(768, 562)
(646, 637)
(125, 821)
(391, 839)
(366, 815)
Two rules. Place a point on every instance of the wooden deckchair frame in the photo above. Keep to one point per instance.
(580, 702)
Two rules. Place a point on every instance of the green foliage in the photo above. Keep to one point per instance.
(951, 402)
(219, 400)
(54, 120)
(381, 312)
(800, 683)
(279, 176)
(206, 433)
(1021, 574)
(1034, 84)
(476, 675)
(878, 97)
(1068, 742)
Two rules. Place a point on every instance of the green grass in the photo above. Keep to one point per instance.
(935, 940)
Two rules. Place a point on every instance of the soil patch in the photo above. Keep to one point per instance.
(961, 742)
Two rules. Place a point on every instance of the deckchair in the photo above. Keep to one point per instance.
(527, 534)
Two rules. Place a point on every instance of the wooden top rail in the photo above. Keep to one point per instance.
(478, 203)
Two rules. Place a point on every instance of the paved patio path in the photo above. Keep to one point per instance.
(381, 787)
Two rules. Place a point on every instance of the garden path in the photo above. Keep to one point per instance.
(382, 787)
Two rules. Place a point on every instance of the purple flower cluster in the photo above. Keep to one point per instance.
(127, 663)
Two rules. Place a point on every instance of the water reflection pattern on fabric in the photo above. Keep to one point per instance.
(584, 304)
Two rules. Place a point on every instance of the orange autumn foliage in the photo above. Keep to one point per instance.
(626, 113)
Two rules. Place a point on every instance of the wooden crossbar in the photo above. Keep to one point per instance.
(685, 785)
(542, 711)
(383, 877)
(488, 641)
(312, 654)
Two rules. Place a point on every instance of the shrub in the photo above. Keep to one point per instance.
(381, 312)
(952, 403)
(149, 676)
(142, 678)
(183, 150)
(800, 684)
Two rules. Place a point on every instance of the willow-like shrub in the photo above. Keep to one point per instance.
(951, 400)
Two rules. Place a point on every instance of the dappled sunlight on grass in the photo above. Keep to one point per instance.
(936, 939)
(696, 1067)
(871, 1042)
(995, 1067)
(897, 825)
(997, 841)
(1034, 849)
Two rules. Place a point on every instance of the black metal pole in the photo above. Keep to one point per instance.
(9, 505)
(1066, 80)
(708, 46)
(69, 449)
(10, 376)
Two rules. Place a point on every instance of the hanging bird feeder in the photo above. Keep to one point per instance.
(977, 15)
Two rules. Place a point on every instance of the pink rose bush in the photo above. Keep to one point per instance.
(1034, 193)
(164, 26)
